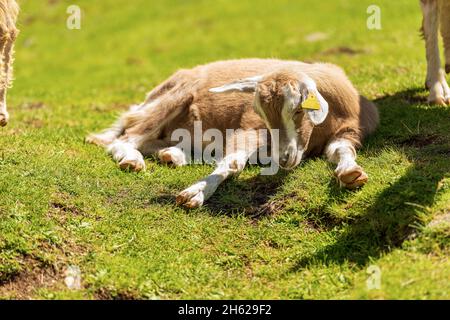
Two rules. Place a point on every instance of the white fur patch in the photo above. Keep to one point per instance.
(244, 85)
(125, 152)
(174, 155)
(341, 152)
(197, 194)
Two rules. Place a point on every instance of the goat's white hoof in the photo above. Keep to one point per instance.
(192, 197)
(352, 178)
(173, 156)
(438, 100)
(439, 93)
(135, 165)
(4, 118)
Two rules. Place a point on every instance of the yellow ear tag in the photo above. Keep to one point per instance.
(312, 103)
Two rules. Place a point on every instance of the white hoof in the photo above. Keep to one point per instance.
(4, 118)
(193, 197)
(172, 155)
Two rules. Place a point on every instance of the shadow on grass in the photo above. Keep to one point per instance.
(249, 196)
(423, 135)
(238, 196)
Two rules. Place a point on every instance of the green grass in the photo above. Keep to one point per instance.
(292, 236)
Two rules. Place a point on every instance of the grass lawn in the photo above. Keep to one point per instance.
(293, 236)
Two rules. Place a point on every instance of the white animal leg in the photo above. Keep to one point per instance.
(240, 147)
(4, 116)
(445, 31)
(348, 172)
(436, 82)
(198, 193)
(173, 155)
(125, 152)
(6, 52)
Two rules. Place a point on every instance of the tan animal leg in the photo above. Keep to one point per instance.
(7, 51)
(445, 30)
(349, 173)
(436, 82)
(4, 116)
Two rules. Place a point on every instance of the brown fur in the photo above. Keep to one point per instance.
(244, 91)
(185, 98)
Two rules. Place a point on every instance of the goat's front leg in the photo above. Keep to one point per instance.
(197, 194)
(125, 152)
(349, 173)
(436, 82)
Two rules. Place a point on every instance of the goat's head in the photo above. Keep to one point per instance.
(288, 102)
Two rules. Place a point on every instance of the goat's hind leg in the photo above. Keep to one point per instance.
(342, 152)
(166, 153)
(108, 136)
(125, 151)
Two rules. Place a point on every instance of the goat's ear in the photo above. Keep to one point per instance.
(319, 116)
(319, 112)
(243, 85)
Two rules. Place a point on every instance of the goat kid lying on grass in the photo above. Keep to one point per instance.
(270, 95)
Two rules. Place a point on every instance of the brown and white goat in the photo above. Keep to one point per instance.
(269, 95)
(436, 13)
(9, 11)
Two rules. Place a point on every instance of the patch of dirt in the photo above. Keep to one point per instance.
(29, 19)
(106, 294)
(344, 51)
(420, 141)
(268, 209)
(440, 220)
(35, 276)
(260, 192)
(32, 105)
(133, 61)
(66, 208)
(34, 123)
(110, 107)
(60, 212)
